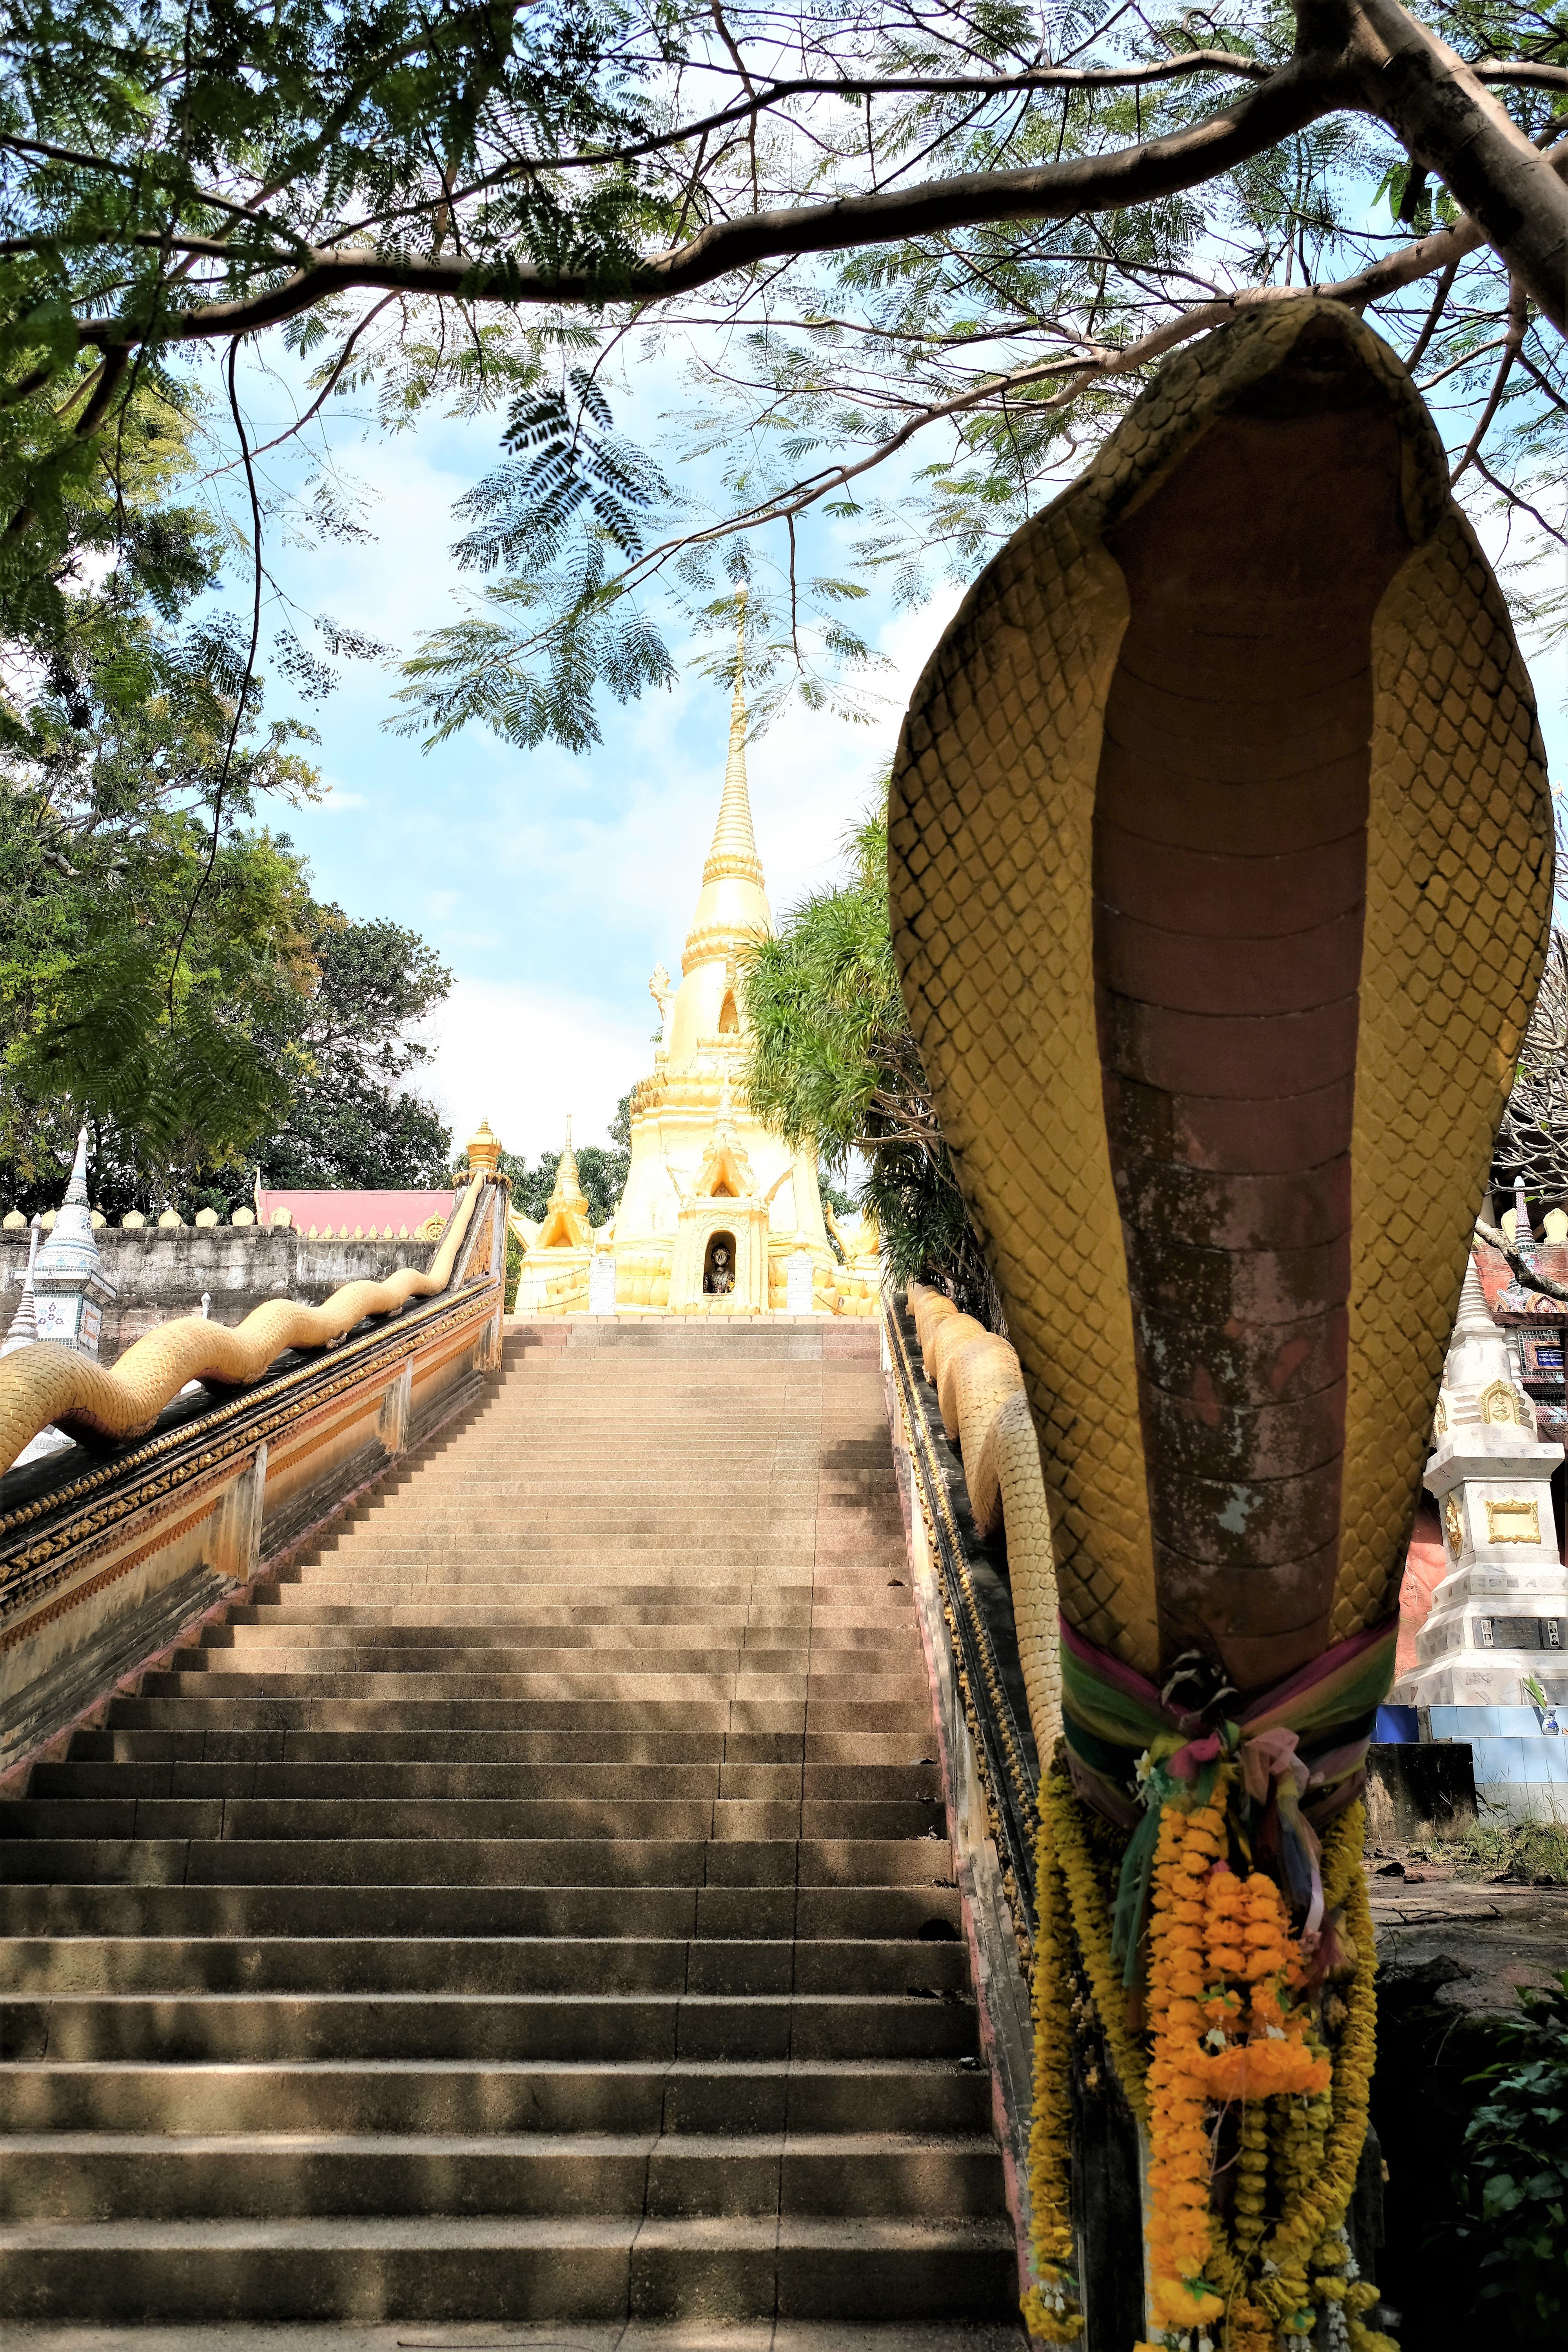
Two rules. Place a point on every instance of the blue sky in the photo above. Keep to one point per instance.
(550, 883)
(553, 884)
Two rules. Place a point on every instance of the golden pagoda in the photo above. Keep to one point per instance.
(719, 1217)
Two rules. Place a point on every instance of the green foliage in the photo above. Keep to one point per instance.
(1513, 2185)
(174, 1066)
(286, 1045)
(353, 1122)
(834, 1067)
(1527, 1853)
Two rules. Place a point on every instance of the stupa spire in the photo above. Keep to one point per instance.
(568, 1189)
(24, 1328)
(735, 845)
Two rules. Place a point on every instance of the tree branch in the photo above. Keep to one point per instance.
(1531, 1277)
(1437, 105)
(1297, 94)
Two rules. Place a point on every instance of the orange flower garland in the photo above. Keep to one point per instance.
(1190, 1843)
(1232, 2027)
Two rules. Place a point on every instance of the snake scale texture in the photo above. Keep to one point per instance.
(45, 1384)
(980, 1389)
(1220, 863)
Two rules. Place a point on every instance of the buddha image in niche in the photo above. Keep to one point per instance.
(720, 1275)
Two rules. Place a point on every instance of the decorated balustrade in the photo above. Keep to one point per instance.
(979, 1540)
(175, 1496)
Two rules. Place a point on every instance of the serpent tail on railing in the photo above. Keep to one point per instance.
(46, 1385)
(979, 1384)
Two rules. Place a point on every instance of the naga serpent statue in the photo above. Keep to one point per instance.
(49, 1384)
(1220, 864)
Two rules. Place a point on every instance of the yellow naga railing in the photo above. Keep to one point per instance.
(47, 1386)
(979, 1385)
(113, 1551)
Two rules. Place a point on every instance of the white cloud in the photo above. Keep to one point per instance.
(525, 1057)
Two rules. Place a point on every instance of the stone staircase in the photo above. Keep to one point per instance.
(535, 1907)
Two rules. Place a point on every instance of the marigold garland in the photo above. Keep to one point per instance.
(1060, 1810)
(1050, 2306)
(1238, 2028)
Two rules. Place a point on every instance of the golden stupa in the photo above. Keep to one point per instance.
(719, 1217)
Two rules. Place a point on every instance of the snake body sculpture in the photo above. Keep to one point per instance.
(1221, 868)
(45, 1384)
(980, 1389)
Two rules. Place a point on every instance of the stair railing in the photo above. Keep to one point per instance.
(112, 1549)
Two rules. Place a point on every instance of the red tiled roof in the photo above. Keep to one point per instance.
(365, 1212)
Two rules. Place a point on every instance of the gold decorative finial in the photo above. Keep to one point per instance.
(484, 1150)
(734, 845)
(567, 1187)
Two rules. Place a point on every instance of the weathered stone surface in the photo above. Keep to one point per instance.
(159, 1273)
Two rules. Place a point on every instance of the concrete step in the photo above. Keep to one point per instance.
(108, 2176)
(69, 1907)
(742, 1634)
(505, 1702)
(256, 2028)
(560, 2267)
(770, 1783)
(422, 1861)
(477, 1964)
(612, 1730)
(522, 1819)
(363, 1653)
(157, 1728)
(708, 2096)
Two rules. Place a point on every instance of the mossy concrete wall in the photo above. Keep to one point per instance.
(159, 1272)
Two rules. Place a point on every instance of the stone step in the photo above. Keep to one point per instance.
(866, 1645)
(740, 1701)
(211, 1703)
(568, 2268)
(870, 1619)
(313, 1652)
(708, 2096)
(107, 2175)
(69, 1907)
(164, 1734)
(251, 2029)
(522, 1819)
(477, 1964)
(914, 1785)
(423, 1861)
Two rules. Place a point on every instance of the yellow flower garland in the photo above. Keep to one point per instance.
(1062, 1820)
(1230, 2027)
(1050, 2307)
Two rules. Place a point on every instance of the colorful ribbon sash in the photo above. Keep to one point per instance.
(1300, 1747)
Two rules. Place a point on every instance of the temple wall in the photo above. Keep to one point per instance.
(160, 1273)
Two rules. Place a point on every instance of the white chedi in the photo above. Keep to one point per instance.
(1500, 1613)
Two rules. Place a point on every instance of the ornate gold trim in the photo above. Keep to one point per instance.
(1500, 1405)
(475, 1307)
(1527, 1517)
(1453, 1526)
(62, 1605)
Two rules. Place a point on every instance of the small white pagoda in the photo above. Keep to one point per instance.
(70, 1289)
(1501, 1612)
